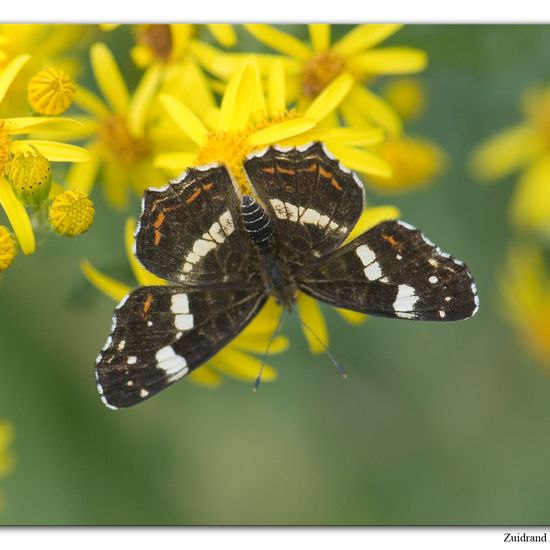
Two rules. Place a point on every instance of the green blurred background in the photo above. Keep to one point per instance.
(437, 423)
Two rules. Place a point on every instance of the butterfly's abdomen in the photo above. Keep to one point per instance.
(256, 222)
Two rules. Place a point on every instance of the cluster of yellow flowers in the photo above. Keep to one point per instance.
(525, 281)
(199, 100)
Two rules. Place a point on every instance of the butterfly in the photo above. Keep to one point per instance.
(226, 253)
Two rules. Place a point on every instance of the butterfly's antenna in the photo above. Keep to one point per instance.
(339, 367)
(275, 332)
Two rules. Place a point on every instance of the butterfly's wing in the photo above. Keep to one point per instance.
(162, 333)
(392, 270)
(190, 232)
(311, 199)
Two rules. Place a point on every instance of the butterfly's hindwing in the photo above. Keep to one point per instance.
(190, 232)
(392, 270)
(311, 199)
(162, 333)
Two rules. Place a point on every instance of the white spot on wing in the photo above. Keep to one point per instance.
(132, 360)
(433, 279)
(180, 303)
(184, 321)
(373, 271)
(366, 255)
(143, 392)
(175, 366)
(406, 299)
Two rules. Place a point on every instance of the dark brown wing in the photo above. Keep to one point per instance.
(190, 232)
(312, 200)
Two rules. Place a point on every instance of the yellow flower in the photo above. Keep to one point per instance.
(171, 43)
(51, 92)
(320, 62)
(309, 309)
(525, 294)
(415, 162)
(30, 176)
(71, 213)
(8, 248)
(524, 147)
(50, 45)
(236, 359)
(121, 143)
(248, 120)
(9, 147)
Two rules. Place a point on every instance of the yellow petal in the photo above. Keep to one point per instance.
(352, 317)
(18, 217)
(259, 106)
(54, 151)
(374, 109)
(175, 163)
(224, 34)
(280, 131)
(530, 207)
(360, 160)
(389, 61)
(363, 37)
(241, 366)
(276, 95)
(82, 175)
(142, 99)
(91, 103)
(310, 312)
(372, 216)
(251, 343)
(10, 71)
(181, 35)
(110, 287)
(143, 277)
(237, 101)
(279, 41)
(186, 120)
(347, 136)
(330, 98)
(505, 152)
(319, 35)
(109, 78)
(24, 125)
(205, 376)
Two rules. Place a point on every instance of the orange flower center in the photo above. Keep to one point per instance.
(229, 148)
(320, 71)
(158, 38)
(119, 143)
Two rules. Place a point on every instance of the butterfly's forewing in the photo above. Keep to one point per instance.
(190, 232)
(392, 270)
(162, 333)
(311, 199)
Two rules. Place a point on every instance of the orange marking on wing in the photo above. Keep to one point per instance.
(160, 219)
(325, 173)
(208, 186)
(158, 236)
(311, 168)
(147, 303)
(289, 171)
(335, 184)
(391, 241)
(195, 194)
(269, 170)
